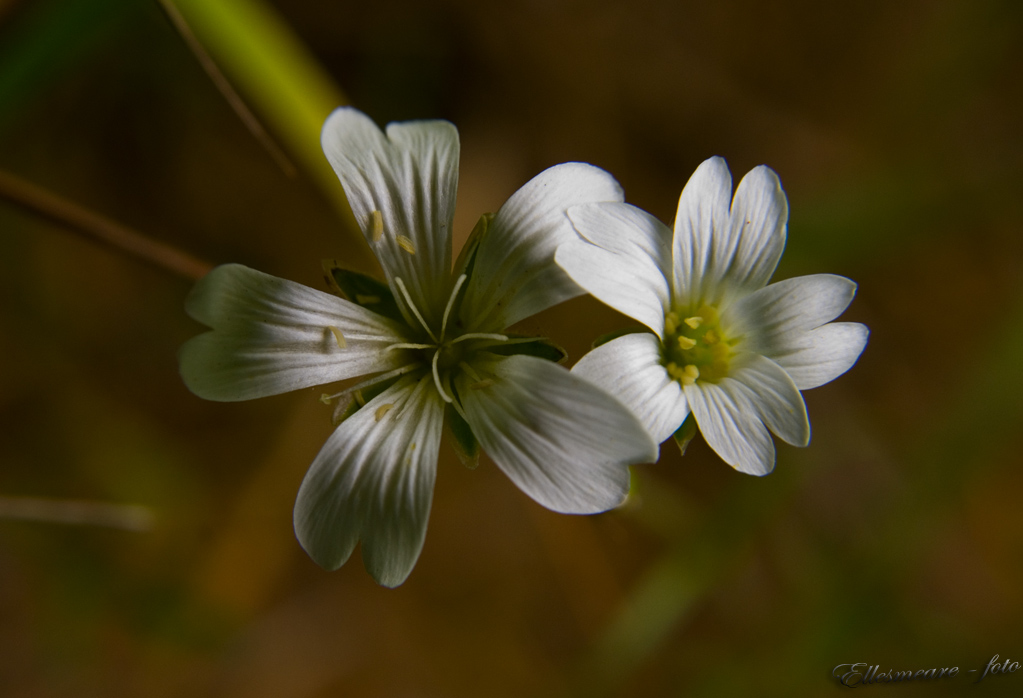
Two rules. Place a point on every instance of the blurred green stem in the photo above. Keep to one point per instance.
(130, 517)
(96, 228)
(226, 89)
(280, 78)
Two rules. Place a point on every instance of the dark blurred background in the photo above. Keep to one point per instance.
(896, 538)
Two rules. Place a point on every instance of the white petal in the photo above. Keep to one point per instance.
(562, 440)
(774, 396)
(747, 253)
(410, 177)
(515, 275)
(702, 214)
(271, 336)
(731, 427)
(788, 307)
(630, 369)
(373, 480)
(628, 264)
(821, 355)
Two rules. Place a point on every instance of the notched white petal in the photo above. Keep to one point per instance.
(775, 397)
(515, 275)
(788, 307)
(821, 355)
(271, 336)
(788, 322)
(702, 213)
(624, 260)
(627, 231)
(731, 427)
(401, 186)
(561, 439)
(373, 481)
(747, 252)
(630, 368)
(629, 289)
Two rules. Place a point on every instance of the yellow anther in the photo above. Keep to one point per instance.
(382, 410)
(689, 375)
(686, 343)
(670, 322)
(485, 383)
(711, 337)
(694, 321)
(376, 226)
(366, 300)
(709, 314)
(406, 244)
(340, 338)
(673, 370)
(325, 399)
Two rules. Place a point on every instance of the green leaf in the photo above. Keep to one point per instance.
(466, 445)
(605, 338)
(685, 433)
(467, 257)
(282, 81)
(362, 290)
(540, 347)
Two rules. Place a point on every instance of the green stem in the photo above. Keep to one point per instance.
(96, 228)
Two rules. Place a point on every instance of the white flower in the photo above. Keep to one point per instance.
(435, 340)
(725, 346)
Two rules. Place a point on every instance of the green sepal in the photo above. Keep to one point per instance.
(362, 290)
(466, 446)
(346, 406)
(540, 347)
(605, 338)
(352, 402)
(685, 433)
(467, 256)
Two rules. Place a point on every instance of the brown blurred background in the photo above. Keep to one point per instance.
(896, 538)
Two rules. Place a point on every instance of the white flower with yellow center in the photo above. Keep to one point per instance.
(435, 343)
(726, 347)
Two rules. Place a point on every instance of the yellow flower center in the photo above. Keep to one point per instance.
(695, 347)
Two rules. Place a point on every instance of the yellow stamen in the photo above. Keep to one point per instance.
(709, 314)
(711, 337)
(689, 375)
(376, 226)
(382, 410)
(406, 244)
(694, 321)
(325, 399)
(366, 300)
(340, 338)
(686, 342)
(670, 322)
